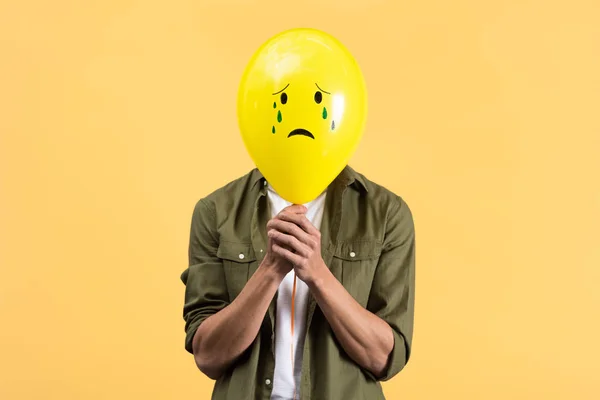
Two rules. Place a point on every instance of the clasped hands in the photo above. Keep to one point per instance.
(294, 242)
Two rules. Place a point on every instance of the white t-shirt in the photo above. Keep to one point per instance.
(284, 380)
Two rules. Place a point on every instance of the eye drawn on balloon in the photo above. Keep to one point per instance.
(319, 99)
(283, 98)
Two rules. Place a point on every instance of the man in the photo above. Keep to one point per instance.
(353, 252)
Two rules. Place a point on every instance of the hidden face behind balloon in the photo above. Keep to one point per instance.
(301, 110)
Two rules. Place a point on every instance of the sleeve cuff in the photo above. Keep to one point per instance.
(189, 335)
(398, 357)
(396, 362)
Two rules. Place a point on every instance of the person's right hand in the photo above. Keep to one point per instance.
(272, 260)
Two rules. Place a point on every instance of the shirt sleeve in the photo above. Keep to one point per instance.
(392, 294)
(204, 279)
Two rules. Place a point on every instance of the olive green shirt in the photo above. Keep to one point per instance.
(368, 243)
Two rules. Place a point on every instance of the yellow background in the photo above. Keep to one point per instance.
(117, 116)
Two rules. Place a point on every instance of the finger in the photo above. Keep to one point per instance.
(296, 219)
(289, 242)
(291, 229)
(271, 239)
(295, 209)
(295, 259)
(301, 221)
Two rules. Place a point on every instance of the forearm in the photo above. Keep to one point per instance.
(365, 337)
(224, 336)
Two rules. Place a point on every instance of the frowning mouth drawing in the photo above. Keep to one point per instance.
(301, 132)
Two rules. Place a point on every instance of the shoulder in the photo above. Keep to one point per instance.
(235, 195)
(233, 190)
(380, 197)
(387, 212)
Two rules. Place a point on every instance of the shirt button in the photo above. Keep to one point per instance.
(352, 254)
(241, 256)
(267, 382)
(261, 250)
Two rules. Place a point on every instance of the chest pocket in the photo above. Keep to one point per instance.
(239, 263)
(355, 263)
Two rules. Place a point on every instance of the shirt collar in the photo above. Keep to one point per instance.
(348, 177)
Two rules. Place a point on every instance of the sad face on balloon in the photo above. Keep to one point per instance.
(283, 96)
(301, 111)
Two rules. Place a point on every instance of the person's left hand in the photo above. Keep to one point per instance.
(297, 240)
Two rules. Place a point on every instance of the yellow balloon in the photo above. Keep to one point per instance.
(302, 107)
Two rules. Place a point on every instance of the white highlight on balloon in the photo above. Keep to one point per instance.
(337, 108)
